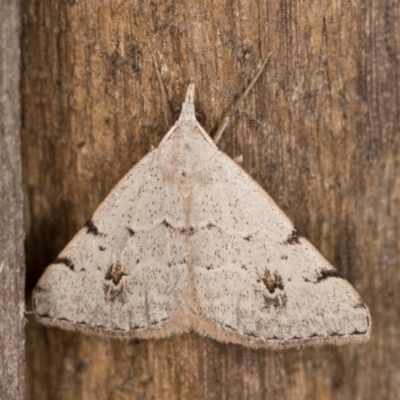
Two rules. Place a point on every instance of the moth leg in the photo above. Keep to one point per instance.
(234, 108)
(164, 98)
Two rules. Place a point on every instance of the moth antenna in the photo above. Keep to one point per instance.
(225, 121)
(164, 98)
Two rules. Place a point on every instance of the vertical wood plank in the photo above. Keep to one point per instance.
(12, 260)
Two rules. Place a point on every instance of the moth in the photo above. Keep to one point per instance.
(188, 241)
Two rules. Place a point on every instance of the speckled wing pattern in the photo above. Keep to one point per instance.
(188, 241)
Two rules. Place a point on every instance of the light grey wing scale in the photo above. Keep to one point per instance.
(120, 275)
(258, 281)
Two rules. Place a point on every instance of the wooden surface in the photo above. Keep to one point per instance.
(12, 261)
(320, 132)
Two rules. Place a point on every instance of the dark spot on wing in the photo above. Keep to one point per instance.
(328, 273)
(169, 226)
(131, 232)
(275, 301)
(356, 332)
(138, 327)
(91, 227)
(113, 294)
(230, 327)
(66, 261)
(155, 322)
(248, 237)
(115, 273)
(166, 224)
(294, 237)
(272, 282)
(250, 334)
(271, 298)
(101, 248)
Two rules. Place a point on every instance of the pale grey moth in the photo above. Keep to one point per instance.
(188, 241)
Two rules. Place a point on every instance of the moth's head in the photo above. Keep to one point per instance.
(188, 111)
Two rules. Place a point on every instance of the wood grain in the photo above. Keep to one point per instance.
(12, 260)
(320, 132)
